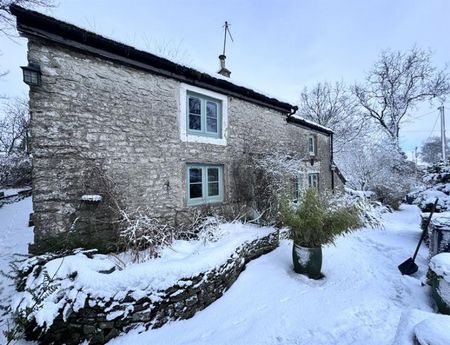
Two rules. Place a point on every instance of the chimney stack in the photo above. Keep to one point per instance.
(223, 70)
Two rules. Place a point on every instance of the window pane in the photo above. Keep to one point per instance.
(211, 125)
(211, 110)
(213, 174)
(213, 188)
(194, 105)
(195, 122)
(195, 175)
(195, 190)
(311, 144)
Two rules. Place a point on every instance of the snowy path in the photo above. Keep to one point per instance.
(14, 238)
(359, 302)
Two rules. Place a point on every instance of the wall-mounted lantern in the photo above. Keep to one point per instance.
(32, 74)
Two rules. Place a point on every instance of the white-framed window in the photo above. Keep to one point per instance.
(203, 115)
(204, 184)
(312, 145)
(313, 180)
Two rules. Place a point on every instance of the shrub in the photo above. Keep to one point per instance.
(15, 170)
(317, 221)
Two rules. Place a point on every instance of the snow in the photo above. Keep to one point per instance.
(311, 122)
(12, 191)
(15, 235)
(434, 331)
(427, 327)
(91, 197)
(360, 301)
(441, 219)
(440, 264)
(76, 276)
(302, 254)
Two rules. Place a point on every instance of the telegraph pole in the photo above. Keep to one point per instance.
(443, 139)
(415, 163)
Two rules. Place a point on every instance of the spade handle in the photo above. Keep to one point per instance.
(425, 229)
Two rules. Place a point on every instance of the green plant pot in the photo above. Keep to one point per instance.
(307, 261)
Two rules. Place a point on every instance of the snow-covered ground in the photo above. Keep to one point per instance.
(14, 238)
(359, 302)
(12, 191)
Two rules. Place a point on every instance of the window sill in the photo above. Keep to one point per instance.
(192, 138)
(210, 203)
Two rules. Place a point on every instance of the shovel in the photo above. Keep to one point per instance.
(409, 266)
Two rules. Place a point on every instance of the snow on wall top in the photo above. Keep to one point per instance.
(91, 197)
(441, 220)
(440, 264)
(81, 276)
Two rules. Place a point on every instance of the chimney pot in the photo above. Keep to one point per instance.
(223, 70)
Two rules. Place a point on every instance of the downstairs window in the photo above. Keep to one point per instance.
(204, 184)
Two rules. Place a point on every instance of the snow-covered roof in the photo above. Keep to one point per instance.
(308, 123)
(32, 23)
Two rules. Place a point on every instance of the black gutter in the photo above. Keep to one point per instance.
(332, 161)
(31, 23)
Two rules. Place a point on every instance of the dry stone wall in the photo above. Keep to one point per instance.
(100, 321)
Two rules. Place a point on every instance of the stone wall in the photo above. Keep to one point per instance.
(90, 112)
(99, 321)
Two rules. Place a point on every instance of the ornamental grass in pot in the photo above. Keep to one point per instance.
(314, 222)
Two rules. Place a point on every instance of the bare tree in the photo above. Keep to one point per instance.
(6, 19)
(397, 83)
(430, 151)
(333, 106)
(14, 127)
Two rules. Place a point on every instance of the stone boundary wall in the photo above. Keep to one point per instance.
(101, 321)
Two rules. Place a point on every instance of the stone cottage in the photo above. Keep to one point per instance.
(166, 136)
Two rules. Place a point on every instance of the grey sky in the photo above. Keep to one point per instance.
(279, 46)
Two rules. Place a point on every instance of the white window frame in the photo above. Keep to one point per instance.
(197, 138)
(311, 175)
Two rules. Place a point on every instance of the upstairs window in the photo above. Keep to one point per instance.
(313, 180)
(204, 116)
(204, 184)
(312, 145)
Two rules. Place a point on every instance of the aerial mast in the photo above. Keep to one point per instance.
(223, 70)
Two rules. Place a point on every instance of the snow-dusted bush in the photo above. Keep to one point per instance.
(377, 164)
(261, 180)
(143, 236)
(369, 211)
(15, 170)
(437, 186)
(206, 227)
